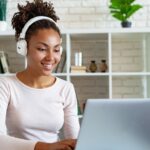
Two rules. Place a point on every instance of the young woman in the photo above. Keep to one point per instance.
(34, 104)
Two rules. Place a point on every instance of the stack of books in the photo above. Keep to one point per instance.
(61, 66)
(78, 69)
(4, 65)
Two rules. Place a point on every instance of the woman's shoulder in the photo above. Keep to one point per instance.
(63, 82)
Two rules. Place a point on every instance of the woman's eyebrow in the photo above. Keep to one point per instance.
(43, 44)
(57, 45)
(48, 45)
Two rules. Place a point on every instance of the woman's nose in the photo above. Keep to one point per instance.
(50, 55)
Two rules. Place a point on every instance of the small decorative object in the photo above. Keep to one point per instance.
(3, 23)
(93, 66)
(123, 9)
(78, 59)
(103, 66)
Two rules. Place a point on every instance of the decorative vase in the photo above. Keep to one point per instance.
(93, 66)
(3, 25)
(126, 24)
(103, 66)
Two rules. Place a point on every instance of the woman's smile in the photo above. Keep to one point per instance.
(47, 66)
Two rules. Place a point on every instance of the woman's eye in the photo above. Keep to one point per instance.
(41, 49)
(57, 50)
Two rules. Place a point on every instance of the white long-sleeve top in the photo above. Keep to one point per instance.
(28, 115)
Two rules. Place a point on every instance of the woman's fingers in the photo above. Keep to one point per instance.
(70, 142)
(63, 145)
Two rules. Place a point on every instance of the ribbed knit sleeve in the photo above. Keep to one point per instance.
(71, 122)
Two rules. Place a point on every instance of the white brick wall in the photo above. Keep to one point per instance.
(128, 54)
(15, 60)
(128, 87)
(88, 13)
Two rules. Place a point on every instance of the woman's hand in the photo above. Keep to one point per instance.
(61, 145)
(70, 144)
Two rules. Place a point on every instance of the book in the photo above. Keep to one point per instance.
(60, 67)
(1, 67)
(78, 67)
(4, 62)
(78, 71)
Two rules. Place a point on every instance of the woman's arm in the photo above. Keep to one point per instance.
(12, 143)
(8, 142)
(71, 120)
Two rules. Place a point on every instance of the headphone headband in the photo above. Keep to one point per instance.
(21, 43)
(31, 21)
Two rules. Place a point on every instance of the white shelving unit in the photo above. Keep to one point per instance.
(126, 52)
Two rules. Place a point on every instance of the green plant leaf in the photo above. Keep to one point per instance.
(133, 9)
(128, 2)
(115, 3)
(118, 16)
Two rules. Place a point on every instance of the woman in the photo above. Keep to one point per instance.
(34, 104)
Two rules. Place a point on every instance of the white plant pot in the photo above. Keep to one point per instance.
(3, 25)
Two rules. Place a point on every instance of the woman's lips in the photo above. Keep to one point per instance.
(47, 66)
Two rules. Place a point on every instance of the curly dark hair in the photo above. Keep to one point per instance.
(31, 10)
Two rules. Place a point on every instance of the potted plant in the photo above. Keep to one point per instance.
(3, 7)
(123, 10)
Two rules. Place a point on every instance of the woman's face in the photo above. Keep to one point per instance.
(44, 51)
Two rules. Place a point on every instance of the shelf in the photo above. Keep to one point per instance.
(7, 33)
(106, 30)
(130, 73)
(96, 74)
(126, 51)
(92, 31)
(113, 74)
(89, 74)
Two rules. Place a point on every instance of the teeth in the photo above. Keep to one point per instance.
(47, 66)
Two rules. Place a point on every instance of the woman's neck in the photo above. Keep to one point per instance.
(35, 81)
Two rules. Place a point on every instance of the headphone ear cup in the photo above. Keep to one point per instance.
(22, 47)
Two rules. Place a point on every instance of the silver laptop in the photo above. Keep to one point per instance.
(115, 125)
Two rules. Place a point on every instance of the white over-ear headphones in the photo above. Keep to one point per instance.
(22, 44)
